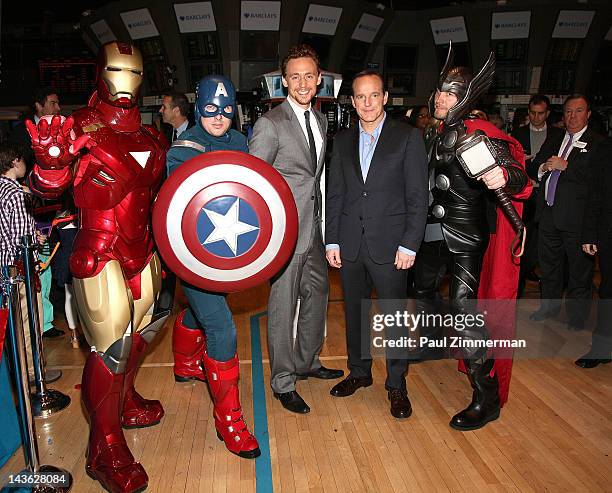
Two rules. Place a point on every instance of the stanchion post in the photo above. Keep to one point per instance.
(17, 344)
(28, 245)
(41, 478)
(45, 401)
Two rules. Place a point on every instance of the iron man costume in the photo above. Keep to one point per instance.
(115, 165)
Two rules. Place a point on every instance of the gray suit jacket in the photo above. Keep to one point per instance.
(279, 140)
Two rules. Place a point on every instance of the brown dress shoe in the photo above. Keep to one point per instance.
(400, 404)
(349, 385)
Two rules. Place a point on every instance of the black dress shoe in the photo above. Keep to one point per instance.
(292, 402)
(322, 373)
(53, 333)
(400, 404)
(590, 361)
(349, 385)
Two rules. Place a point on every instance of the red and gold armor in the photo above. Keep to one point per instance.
(114, 165)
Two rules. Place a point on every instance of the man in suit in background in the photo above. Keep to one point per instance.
(376, 214)
(292, 137)
(175, 112)
(46, 102)
(597, 239)
(564, 163)
(531, 137)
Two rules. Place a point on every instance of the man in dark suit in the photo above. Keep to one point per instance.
(46, 102)
(563, 165)
(175, 112)
(292, 138)
(376, 213)
(597, 239)
(531, 137)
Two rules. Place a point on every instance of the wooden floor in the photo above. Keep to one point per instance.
(555, 433)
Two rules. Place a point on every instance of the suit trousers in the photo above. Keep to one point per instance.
(602, 335)
(304, 277)
(553, 246)
(358, 278)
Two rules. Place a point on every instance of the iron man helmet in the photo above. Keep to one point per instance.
(119, 74)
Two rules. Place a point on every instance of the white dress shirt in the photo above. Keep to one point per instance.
(314, 125)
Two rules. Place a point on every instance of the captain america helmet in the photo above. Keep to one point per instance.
(215, 95)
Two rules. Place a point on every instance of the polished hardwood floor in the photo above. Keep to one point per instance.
(555, 433)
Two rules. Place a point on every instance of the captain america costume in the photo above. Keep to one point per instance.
(204, 334)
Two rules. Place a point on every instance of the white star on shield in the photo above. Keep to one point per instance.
(227, 227)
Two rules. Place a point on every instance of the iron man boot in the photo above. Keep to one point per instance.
(229, 422)
(188, 346)
(109, 459)
(138, 412)
(485, 405)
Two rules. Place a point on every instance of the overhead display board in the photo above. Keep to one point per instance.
(195, 17)
(139, 24)
(449, 29)
(259, 15)
(573, 24)
(103, 32)
(322, 19)
(367, 28)
(510, 25)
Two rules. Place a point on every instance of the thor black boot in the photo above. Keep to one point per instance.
(485, 405)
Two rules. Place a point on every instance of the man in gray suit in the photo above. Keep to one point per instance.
(292, 137)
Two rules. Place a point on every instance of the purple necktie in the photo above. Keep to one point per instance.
(554, 176)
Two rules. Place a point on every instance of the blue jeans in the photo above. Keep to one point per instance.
(210, 313)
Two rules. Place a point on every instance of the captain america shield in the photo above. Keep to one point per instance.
(225, 221)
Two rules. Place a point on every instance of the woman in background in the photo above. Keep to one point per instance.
(418, 117)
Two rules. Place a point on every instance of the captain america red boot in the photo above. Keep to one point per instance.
(229, 421)
(188, 346)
